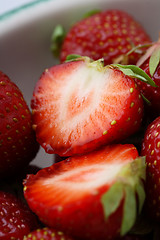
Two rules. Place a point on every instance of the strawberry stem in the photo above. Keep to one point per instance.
(135, 72)
(138, 48)
(145, 99)
(128, 186)
(73, 57)
(154, 61)
(91, 13)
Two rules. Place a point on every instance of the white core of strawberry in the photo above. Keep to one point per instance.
(86, 178)
(86, 93)
(84, 81)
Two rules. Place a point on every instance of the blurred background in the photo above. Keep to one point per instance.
(8, 5)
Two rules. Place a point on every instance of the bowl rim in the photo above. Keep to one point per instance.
(22, 7)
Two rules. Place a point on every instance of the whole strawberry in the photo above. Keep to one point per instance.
(80, 105)
(92, 196)
(151, 149)
(47, 234)
(150, 63)
(18, 144)
(109, 34)
(16, 219)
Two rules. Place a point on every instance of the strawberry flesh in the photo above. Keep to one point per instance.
(81, 105)
(68, 196)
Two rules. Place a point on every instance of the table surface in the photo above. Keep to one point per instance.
(8, 5)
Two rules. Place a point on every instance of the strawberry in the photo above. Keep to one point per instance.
(150, 63)
(92, 196)
(18, 144)
(46, 234)
(151, 149)
(16, 219)
(108, 34)
(81, 105)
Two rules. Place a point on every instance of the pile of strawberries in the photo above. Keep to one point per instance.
(98, 113)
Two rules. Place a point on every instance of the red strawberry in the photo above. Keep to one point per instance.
(151, 149)
(109, 35)
(16, 219)
(150, 63)
(46, 234)
(91, 196)
(18, 144)
(81, 105)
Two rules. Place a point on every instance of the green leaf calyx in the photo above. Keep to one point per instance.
(135, 72)
(57, 39)
(154, 61)
(128, 191)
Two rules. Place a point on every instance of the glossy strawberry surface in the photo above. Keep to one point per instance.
(18, 145)
(151, 149)
(108, 34)
(16, 219)
(47, 234)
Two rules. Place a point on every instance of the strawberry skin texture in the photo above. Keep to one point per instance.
(18, 145)
(46, 234)
(107, 35)
(16, 219)
(81, 105)
(67, 196)
(151, 149)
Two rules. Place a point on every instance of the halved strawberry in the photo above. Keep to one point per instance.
(81, 105)
(93, 196)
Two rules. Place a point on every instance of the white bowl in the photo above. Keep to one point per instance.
(25, 35)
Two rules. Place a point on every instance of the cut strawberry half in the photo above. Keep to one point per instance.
(92, 196)
(81, 105)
